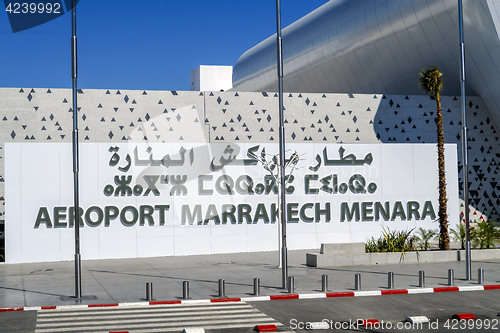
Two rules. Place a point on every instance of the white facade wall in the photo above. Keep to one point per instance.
(117, 118)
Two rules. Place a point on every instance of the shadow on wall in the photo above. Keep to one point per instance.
(410, 119)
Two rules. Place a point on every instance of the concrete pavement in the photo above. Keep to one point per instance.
(124, 280)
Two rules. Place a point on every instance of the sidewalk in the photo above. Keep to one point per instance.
(124, 280)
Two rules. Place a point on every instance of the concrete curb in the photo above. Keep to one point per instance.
(263, 298)
(331, 255)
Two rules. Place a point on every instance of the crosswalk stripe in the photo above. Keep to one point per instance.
(150, 309)
(145, 315)
(214, 323)
(147, 307)
(147, 310)
(164, 318)
(141, 319)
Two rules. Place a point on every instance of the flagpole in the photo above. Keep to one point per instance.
(282, 189)
(76, 215)
(464, 144)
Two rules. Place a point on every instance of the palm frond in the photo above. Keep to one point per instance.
(430, 80)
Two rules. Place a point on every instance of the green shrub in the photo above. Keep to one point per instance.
(2, 250)
(459, 234)
(484, 235)
(424, 237)
(392, 241)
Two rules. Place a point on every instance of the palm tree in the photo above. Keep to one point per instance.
(431, 82)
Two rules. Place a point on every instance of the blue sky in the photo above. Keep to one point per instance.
(144, 45)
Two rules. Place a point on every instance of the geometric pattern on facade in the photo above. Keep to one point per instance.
(45, 115)
(380, 46)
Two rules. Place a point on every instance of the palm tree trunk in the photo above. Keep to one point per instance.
(444, 237)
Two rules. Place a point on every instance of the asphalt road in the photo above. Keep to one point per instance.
(393, 309)
(342, 314)
(18, 322)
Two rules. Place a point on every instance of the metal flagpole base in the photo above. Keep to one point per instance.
(280, 248)
(284, 268)
(468, 272)
(78, 276)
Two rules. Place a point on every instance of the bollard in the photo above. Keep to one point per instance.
(222, 288)
(451, 277)
(185, 289)
(357, 281)
(390, 280)
(291, 282)
(149, 291)
(256, 286)
(480, 276)
(421, 278)
(324, 283)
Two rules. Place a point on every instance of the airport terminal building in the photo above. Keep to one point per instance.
(191, 172)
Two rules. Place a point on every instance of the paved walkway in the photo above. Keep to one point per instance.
(124, 280)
